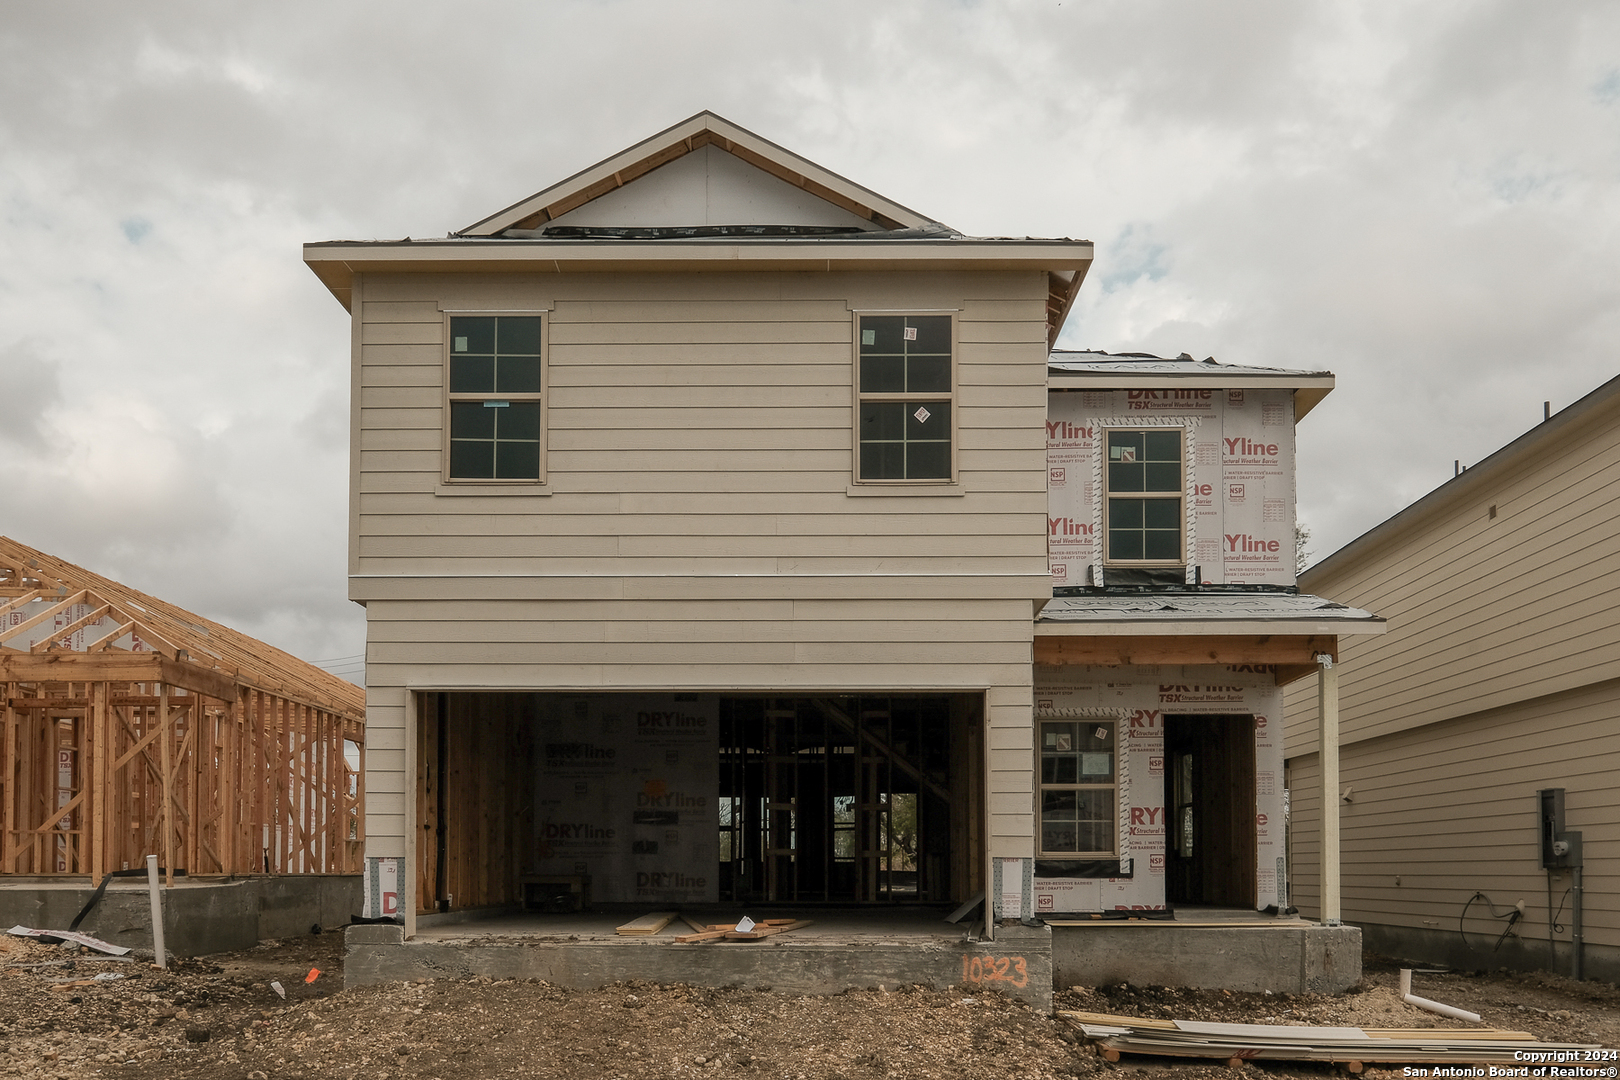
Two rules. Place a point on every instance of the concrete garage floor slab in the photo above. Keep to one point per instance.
(843, 949)
(849, 948)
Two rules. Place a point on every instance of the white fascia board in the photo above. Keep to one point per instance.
(335, 263)
(1214, 380)
(1210, 627)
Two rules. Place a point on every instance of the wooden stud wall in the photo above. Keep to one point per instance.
(483, 744)
(95, 776)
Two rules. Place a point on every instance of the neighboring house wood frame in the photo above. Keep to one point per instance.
(130, 727)
(1497, 680)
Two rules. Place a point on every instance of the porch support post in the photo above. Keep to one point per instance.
(1327, 738)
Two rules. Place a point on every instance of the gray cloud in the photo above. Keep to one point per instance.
(1421, 198)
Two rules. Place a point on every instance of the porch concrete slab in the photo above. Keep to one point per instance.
(840, 951)
(1288, 956)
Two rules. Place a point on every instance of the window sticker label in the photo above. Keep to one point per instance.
(922, 415)
(868, 337)
(911, 333)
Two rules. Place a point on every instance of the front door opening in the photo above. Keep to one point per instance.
(1210, 795)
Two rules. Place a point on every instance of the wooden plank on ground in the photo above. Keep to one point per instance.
(702, 935)
(648, 925)
(766, 931)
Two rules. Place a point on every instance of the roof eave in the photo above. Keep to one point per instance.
(1309, 387)
(1149, 627)
(336, 262)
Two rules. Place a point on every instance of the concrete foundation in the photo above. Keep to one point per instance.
(1446, 948)
(841, 951)
(200, 915)
(1293, 957)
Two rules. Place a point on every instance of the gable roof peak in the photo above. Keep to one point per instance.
(869, 211)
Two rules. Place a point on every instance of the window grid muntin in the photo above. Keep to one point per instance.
(905, 416)
(495, 363)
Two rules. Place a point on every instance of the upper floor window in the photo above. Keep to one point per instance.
(495, 382)
(1144, 474)
(905, 397)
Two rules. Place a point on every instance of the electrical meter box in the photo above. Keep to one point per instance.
(1560, 849)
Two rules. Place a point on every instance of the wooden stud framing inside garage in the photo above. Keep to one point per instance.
(136, 728)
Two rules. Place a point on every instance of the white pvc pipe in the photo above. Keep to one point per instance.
(1433, 1006)
(157, 911)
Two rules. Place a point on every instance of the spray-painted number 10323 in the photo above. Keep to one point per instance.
(987, 969)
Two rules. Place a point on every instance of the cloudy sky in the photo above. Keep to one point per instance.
(1421, 197)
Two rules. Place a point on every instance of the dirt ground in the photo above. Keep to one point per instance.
(219, 1017)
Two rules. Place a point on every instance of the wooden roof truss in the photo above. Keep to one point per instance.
(130, 727)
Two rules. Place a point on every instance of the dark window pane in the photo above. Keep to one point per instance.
(883, 461)
(928, 419)
(928, 461)
(1094, 836)
(1125, 477)
(1162, 544)
(518, 336)
(1161, 476)
(882, 420)
(933, 334)
(1163, 445)
(472, 334)
(882, 334)
(471, 420)
(1059, 805)
(1124, 544)
(517, 375)
(928, 374)
(1125, 513)
(1161, 513)
(1125, 446)
(472, 374)
(472, 460)
(517, 460)
(883, 374)
(519, 420)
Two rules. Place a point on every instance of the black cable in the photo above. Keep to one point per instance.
(1558, 927)
(1513, 915)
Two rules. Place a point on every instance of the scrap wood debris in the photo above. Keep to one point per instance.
(757, 931)
(1350, 1046)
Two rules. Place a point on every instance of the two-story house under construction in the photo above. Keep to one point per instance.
(708, 510)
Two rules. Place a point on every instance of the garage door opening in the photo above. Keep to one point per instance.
(609, 799)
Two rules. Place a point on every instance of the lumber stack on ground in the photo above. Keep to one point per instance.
(648, 925)
(1354, 1048)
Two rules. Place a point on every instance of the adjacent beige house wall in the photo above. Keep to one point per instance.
(1500, 675)
(699, 528)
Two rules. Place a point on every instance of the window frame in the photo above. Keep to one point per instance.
(542, 397)
(1107, 496)
(1114, 725)
(922, 398)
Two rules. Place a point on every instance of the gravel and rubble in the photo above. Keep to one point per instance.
(220, 1017)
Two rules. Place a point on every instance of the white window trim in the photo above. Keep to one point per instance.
(940, 486)
(1120, 718)
(449, 485)
(1099, 485)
